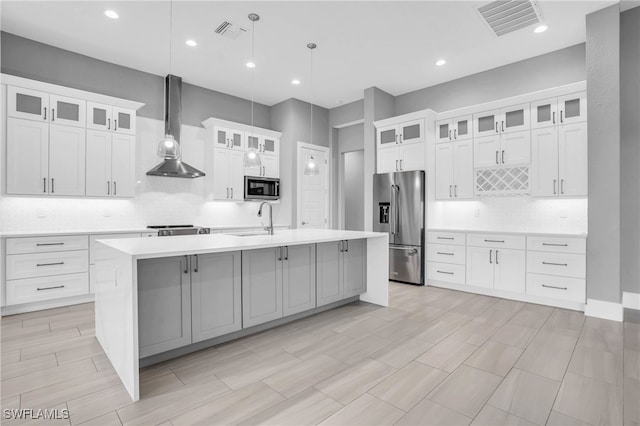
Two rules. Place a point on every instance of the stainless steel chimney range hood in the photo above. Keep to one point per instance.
(169, 148)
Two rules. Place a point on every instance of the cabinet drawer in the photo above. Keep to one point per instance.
(455, 238)
(557, 244)
(44, 264)
(47, 244)
(560, 264)
(45, 288)
(446, 253)
(562, 288)
(446, 272)
(497, 241)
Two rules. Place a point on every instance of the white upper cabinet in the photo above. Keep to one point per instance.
(459, 128)
(110, 164)
(66, 160)
(454, 170)
(401, 158)
(229, 138)
(544, 113)
(113, 119)
(403, 133)
(557, 111)
(387, 160)
(544, 162)
(572, 160)
(28, 104)
(228, 175)
(509, 149)
(67, 111)
(504, 120)
(27, 157)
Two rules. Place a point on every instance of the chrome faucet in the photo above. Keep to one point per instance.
(270, 227)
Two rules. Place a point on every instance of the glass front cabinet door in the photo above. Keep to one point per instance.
(572, 108)
(28, 104)
(99, 116)
(67, 111)
(124, 121)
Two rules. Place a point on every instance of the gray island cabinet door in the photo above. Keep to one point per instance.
(216, 301)
(329, 266)
(261, 286)
(354, 270)
(164, 304)
(299, 278)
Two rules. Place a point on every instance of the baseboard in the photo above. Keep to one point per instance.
(605, 310)
(631, 300)
(46, 304)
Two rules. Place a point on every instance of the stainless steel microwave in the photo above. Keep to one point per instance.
(261, 188)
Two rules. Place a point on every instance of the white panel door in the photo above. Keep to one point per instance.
(411, 157)
(462, 169)
(486, 151)
(236, 175)
(221, 174)
(98, 178)
(67, 147)
(388, 159)
(67, 111)
(573, 108)
(99, 116)
(28, 104)
(313, 191)
(27, 157)
(573, 159)
(123, 165)
(516, 148)
(510, 270)
(124, 120)
(544, 113)
(444, 171)
(480, 262)
(544, 162)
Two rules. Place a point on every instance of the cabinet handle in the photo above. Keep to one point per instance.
(449, 134)
(503, 125)
(555, 181)
(53, 114)
(400, 164)
(497, 127)
(455, 191)
(503, 156)
(232, 193)
(115, 188)
(264, 171)
(554, 117)
(44, 185)
(562, 186)
(552, 286)
(561, 117)
(286, 252)
(494, 241)
(490, 253)
(444, 238)
(555, 245)
(396, 165)
(341, 246)
(45, 113)
(108, 188)
(347, 244)
(554, 264)
(50, 264)
(227, 192)
(497, 263)
(455, 133)
(108, 124)
(450, 196)
(447, 254)
(497, 161)
(186, 264)
(52, 186)
(195, 269)
(280, 253)
(401, 138)
(445, 272)
(115, 125)
(49, 288)
(49, 244)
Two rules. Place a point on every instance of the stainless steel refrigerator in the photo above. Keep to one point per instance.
(398, 209)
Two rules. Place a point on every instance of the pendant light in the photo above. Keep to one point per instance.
(311, 167)
(252, 156)
(168, 147)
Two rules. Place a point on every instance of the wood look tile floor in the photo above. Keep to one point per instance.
(434, 357)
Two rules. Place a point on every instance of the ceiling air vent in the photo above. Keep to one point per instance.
(230, 30)
(504, 17)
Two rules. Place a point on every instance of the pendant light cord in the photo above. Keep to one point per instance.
(253, 75)
(311, 84)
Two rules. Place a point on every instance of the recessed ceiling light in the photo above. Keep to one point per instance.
(540, 29)
(191, 43)
(251, 64)
(440, 62)
(111, 14)
(295, 81)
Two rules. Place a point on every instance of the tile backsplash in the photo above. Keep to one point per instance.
(158, 200)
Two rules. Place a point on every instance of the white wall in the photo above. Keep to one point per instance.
(158, 200)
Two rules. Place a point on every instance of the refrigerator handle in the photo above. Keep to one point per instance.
(396, 213)
(392, 212)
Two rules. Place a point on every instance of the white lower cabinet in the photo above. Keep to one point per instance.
(496, 261)
(446, 257)
(39, 289)
(341, 270)
(509, 270)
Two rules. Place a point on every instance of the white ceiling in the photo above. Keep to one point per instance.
(389, 44)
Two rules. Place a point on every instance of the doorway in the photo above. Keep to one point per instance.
(352, 194)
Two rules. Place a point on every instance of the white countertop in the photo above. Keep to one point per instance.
(9, 234)
(215, 243)
(536, 234)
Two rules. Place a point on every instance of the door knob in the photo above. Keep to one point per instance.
(304, 223)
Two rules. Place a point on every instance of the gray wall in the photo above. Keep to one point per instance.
(603, 88)
(630, 150)
(353, 195)
(351, 138)
(29, 59)
(346, 113)
(540, 72)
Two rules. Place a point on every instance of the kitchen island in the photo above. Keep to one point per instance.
(160, 296)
